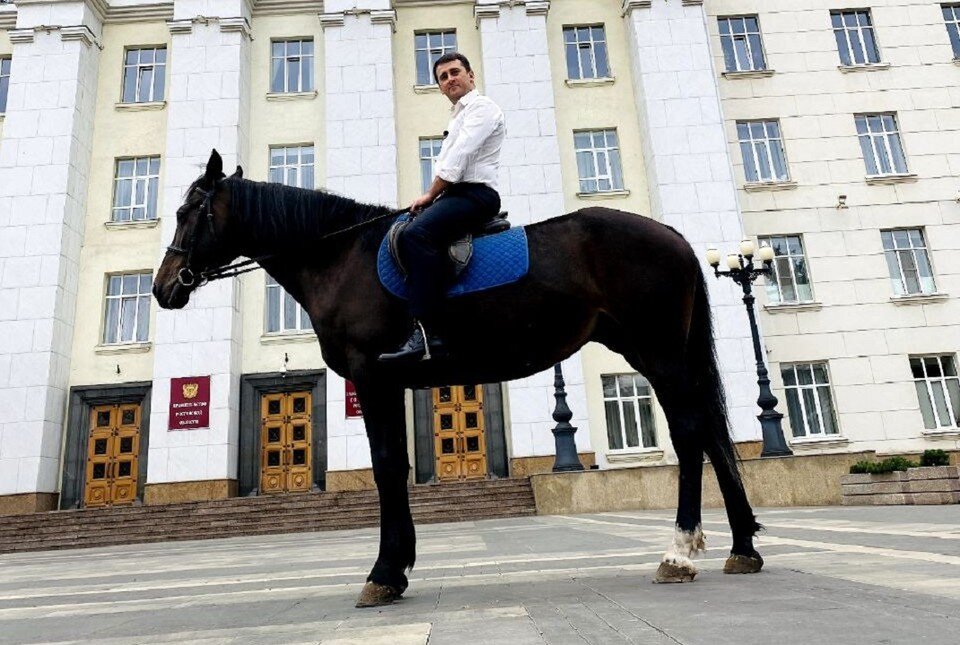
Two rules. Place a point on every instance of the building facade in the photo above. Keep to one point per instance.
(829, 133)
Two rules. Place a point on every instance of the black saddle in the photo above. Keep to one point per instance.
(460, 251)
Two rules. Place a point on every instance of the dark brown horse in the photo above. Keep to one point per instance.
(598, 274)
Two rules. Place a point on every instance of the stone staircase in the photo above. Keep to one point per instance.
(263, 515)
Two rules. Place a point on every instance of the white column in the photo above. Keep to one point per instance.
(208, 107)
(517, 76)
(689, 170)
(44, 164)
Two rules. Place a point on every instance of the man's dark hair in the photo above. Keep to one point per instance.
(449, 58)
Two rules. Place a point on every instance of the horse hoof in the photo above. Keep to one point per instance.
(743, 564)
(670, 572)
(377, 595)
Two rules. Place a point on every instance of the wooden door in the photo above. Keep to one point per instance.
(112, 455)
(458, 430)
(286, 460)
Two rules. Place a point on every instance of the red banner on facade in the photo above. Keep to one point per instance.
(353, 403)
(189, 403)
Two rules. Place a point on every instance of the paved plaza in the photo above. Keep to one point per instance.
(833, 575)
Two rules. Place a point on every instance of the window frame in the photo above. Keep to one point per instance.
(799, 388)
(791, 258)
(306, 67)
(142, 299)
(156, 78)
(150, 179)
(859, 30)
(5, 61)
(754, 146)
(299, 166)
(729, 37)
(636, 399)
(897, 250)
(435, 142)
(884, 134)
(927, 381)
(302, 321)
(424, 77)
(595, 67)
(953, 34)
(597, 177)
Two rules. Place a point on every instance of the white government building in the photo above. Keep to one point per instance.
(830, 131)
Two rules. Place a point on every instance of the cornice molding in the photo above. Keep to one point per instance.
(690, 3)
(377, 17)
(629, 5)
(492, 10)
(537, 7)
(236, 24)
(281, 7)
(8, 18)
(226, 25)
(81, 33)
(331, 20)
(67, 33)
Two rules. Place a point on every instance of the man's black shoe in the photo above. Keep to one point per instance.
(415, 349)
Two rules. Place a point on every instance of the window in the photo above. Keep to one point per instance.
(790, 282)
(127, 311)
(586, 52)
(938, 390)
(144, 73)
(291, 66)
(4, 83)
(427, 48)
(284, 314)
(951, 15)
(135, 189)
(629, 410)
(429, 151)
(880, 143)
(598, 161)
(809, 401)
(907, 261)
(856, 43)
(763, 156)
(292, 166)
(742, 46)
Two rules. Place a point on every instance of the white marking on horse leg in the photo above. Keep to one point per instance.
(685, 546)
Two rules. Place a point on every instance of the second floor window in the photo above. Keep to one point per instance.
(127, 308)
(427, 48)
(880, 143)
(628, 405)
(4, 83)
(291, 66)
(762, 146)
(951, 15)
(790, 282)
(938, 390)
(284, 314)
(429, 151)
(292, 166)
(856, 43)
(809, 400)
(742, 47)
(136, 186)
(586, 52)
(598, 161)
(144, 74)
(908, 262)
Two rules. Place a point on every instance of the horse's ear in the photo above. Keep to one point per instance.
(239, 172)
(214, 168)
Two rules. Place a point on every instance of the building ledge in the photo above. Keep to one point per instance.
(141, 223)
(920, 298)
(752, 73)
(866, 67)
(818, 443)
(123, 348)
(941, 433)
(283, 339)
(768, 186)
(426, 89)
(901, 178)
(609, 194)
(635, 456)
(590, 82)
(792, 307)
(292, 96)
(140, 107)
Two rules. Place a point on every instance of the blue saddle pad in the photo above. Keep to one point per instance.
(497, 260)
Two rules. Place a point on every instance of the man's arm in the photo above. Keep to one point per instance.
(438, 186)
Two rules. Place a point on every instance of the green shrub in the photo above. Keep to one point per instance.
(889, 465)
(934, 458)
(861, 468)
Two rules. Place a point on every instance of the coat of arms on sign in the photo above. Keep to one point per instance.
(190, 390)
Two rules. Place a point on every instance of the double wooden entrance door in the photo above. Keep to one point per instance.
(112, 455)
(286, 430)
(458, 432)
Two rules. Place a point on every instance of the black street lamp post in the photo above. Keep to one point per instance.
(741, 270)
(566, 448)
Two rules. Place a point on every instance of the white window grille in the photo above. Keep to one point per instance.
(291, 66)
(938, 390)
(284, 314)
(742, 44)
(4, 83)
(292, 166)
(628, 404)
(135, 189)
(127, 308)
(908, 261)
(809, 400)
(429, 151)
(144, 74)
(586, 49)
(880, 143)
(761, 144)
(598, 161)
(951, 16)
(856, 41)
(790, 282)
(428, 46)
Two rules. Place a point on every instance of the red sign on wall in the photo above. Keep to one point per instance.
(353, 403)
(189, 403)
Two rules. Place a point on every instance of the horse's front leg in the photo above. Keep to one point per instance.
(383, 413)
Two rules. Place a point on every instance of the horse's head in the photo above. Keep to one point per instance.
(201, 241)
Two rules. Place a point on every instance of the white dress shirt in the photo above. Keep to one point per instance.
(471, 150)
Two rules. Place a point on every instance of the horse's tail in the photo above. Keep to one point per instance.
(704, 371)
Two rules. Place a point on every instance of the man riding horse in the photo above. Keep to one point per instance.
(461, 198)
